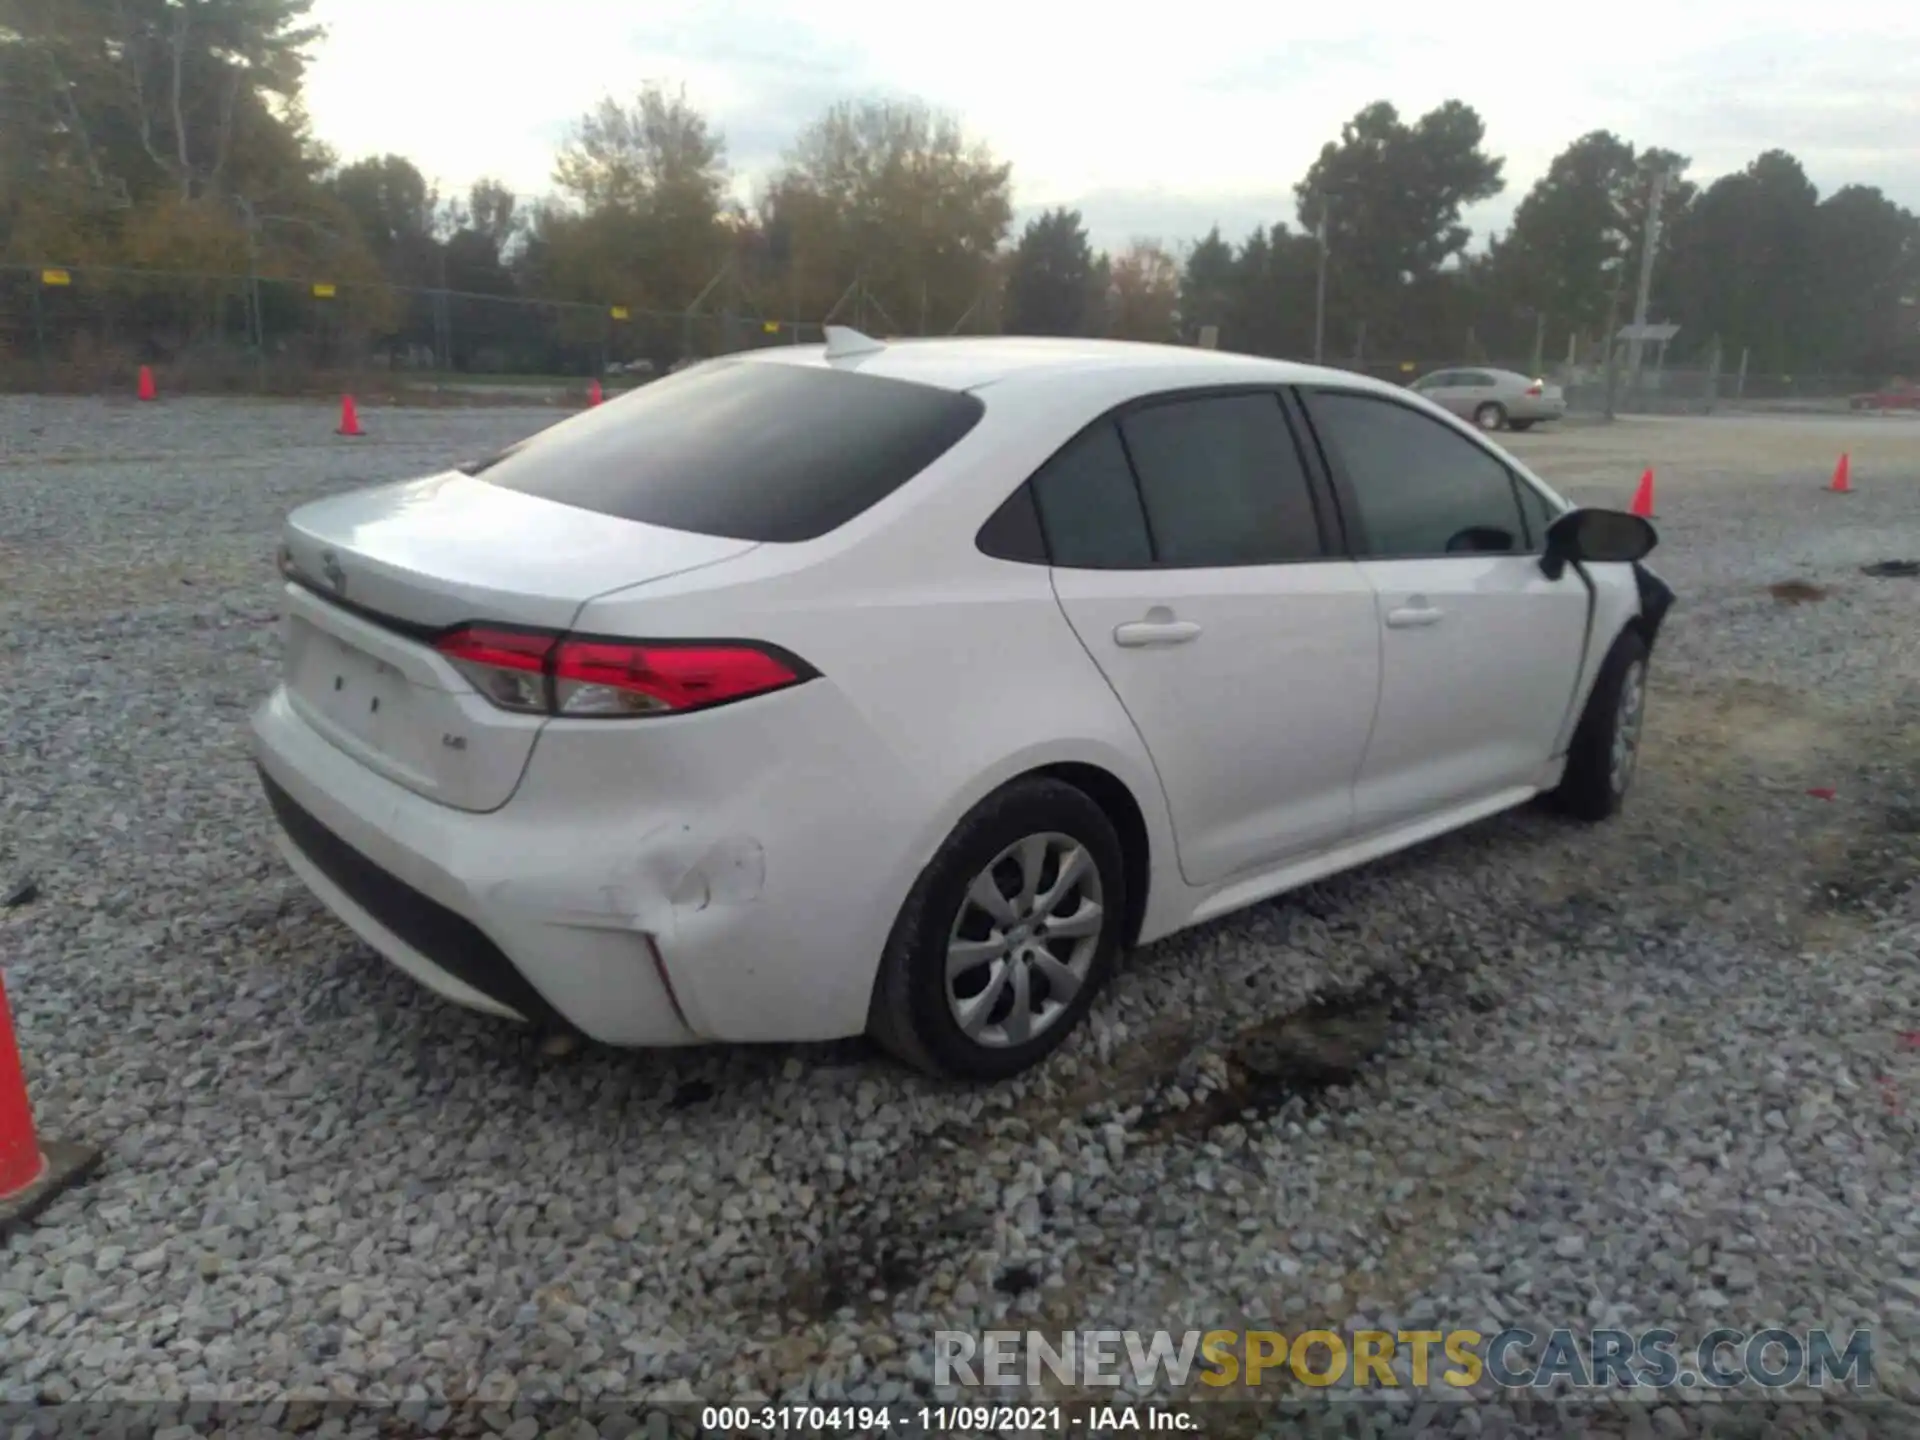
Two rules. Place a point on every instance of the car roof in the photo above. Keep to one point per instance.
(974, 362)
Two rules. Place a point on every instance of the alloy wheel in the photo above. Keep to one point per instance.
(1024, 940)
(1627, 721)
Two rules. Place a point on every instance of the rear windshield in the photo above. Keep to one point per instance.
(748, 450)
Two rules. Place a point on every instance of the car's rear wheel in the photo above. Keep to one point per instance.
(1490, 416)
(1605, 752)
(1006, 937)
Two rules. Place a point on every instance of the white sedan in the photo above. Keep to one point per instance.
(895, 688)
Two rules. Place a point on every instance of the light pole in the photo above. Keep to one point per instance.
(1650, 242)
(1320, 289)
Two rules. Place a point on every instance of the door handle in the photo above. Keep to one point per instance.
(1410, 617)
(1139, 633)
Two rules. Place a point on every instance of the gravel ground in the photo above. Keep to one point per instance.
(1650, 1073)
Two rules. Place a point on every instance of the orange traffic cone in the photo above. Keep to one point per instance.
(1842, 483)
(593, 392)
(147, 390)
(1643, 497)
(349, 417)
(31, 1174)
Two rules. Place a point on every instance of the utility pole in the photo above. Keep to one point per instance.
(1650, 242)
(1320, 290)
(1613, 348)
(443, 319)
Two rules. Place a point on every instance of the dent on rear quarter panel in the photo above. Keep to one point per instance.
(668, 867)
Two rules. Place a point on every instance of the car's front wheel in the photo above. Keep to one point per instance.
(1605, 752)
(1006, 937)
(1490, 416)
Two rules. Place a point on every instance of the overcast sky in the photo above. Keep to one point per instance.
(1157, 120)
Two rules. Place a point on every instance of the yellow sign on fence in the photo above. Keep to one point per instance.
(618, 312)
(55, 277)
(772, 327)
(322, 290)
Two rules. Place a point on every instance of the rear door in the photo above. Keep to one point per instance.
(1472, 389)
(1480, 650)
(1190, 558)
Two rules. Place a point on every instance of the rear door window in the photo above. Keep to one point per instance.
(1222, 481)
(747, 450)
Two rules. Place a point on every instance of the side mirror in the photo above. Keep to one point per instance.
(1596, 537)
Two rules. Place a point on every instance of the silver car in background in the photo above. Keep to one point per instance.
(1494, 399)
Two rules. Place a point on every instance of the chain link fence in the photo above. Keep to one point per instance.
(92, 328)
(80, 329)
(1657, 388)
(1445, 327)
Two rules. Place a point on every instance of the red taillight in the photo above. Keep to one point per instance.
(609, 677)
(534, 672)
(1536, 389)
(509, 667)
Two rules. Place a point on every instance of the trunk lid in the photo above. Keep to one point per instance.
(380, 571)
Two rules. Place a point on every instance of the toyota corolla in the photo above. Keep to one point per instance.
(896, 688)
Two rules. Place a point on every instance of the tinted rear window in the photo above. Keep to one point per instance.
(744, 450)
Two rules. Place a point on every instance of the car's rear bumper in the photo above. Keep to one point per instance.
(436, 945)
(645, 929)
(1535, 411)
(411, 883)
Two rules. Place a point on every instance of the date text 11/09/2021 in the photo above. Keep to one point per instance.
(939, 1419)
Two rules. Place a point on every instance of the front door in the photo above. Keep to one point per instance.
(1443, 389)
(1480, 651)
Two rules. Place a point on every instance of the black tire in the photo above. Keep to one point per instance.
(1520, 427)
(911, 1014)
(1491, 416)
(1591, 790)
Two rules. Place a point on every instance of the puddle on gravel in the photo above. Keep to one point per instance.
(1297, 1056)
(1892, 569)
(1796, 592)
